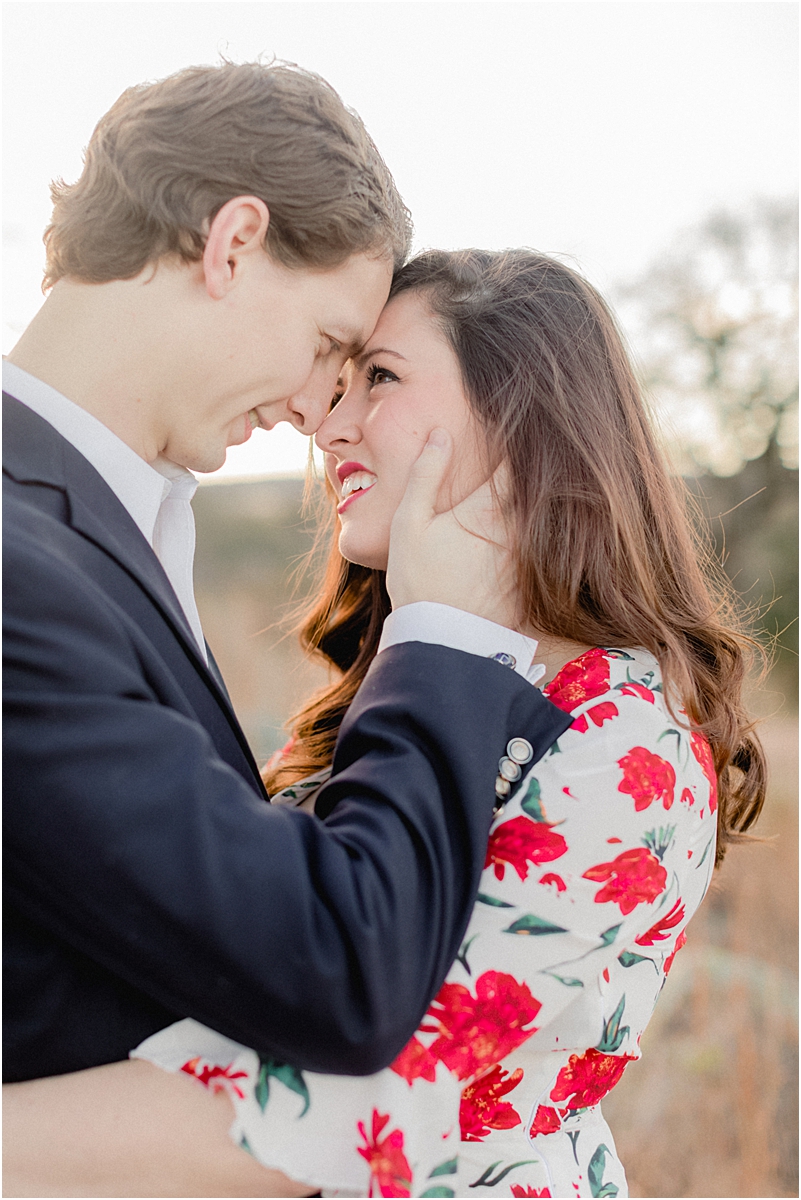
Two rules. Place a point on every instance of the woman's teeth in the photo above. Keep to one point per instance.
(358, 481)
(254, 419)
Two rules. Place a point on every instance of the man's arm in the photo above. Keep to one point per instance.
(131, 841)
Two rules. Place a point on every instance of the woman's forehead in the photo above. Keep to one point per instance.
(406, 328)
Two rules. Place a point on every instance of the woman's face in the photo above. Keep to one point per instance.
(405, 383)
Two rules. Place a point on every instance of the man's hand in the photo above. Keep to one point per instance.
(459, 557)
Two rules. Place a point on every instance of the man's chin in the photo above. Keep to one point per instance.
(202, 461)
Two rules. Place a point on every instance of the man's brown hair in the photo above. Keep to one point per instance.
(168, 155)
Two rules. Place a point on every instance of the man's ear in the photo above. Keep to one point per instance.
(238, 229)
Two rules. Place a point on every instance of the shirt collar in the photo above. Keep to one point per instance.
(139, 486)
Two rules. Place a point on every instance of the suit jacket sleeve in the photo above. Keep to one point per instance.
(129, 840)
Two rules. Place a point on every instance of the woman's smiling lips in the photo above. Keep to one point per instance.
(355, 480)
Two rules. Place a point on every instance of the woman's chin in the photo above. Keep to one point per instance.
(363, 553)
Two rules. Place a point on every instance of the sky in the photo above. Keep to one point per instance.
(593, 130)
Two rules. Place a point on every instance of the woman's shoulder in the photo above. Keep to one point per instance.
(623, 723)
(617, 699)
(605, 674)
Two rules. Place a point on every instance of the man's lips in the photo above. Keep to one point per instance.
(251, 421)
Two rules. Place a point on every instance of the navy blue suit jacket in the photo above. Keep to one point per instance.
(146, 875)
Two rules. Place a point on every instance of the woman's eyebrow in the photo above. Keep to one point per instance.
(368, 354)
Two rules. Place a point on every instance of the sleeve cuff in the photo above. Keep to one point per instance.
(441, 625)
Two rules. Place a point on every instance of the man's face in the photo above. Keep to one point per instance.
(269, 351)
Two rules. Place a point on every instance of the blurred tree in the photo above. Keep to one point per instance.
(714, 324)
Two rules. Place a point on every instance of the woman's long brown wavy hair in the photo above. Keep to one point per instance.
(606, 551)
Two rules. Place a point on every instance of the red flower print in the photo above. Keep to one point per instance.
(637, 689)
(687, 797)
(646, 777)
(580, 680)
(482, 1109)
(477, 1032)
(588, 1077)
(703, 753)
(661, 930)
(521, 841)
(415, 1062)
(389, 1166)
(680, 941)
(214, 1077)
(546, 1120)
(518, 1190)
(561, 886)
(597, 714)
(634, 877)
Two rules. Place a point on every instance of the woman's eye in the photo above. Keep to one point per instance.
(335, 399)
(379, 375)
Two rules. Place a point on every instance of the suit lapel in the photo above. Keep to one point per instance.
(216, 673)
(97, 514)
(34, 452)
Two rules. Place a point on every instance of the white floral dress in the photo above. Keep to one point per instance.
(595, 865)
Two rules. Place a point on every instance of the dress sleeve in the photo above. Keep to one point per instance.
(600, 857)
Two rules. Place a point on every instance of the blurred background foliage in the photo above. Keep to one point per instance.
(713, 1108)
(714, 327)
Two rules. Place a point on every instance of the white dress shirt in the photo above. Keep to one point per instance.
(446, 626)
(158, 499)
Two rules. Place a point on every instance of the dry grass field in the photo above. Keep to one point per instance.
(712, 1108)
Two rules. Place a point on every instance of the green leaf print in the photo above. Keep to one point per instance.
(531, 803)
(290, 1076)
(446, 1168)
(438, 1191)
(628, 959)
(614, 1036)
(533, 926)
(567, 980)
(595, 1172)
(706, 851)
(486, 1181)
(483, 898)
(658, 841)
(609, 935)
(462, 955)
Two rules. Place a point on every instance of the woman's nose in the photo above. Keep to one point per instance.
(338, 429)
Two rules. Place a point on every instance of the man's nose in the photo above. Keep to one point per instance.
(307, 413)
(310, 406)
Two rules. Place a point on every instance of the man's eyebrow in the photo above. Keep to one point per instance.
(373, 353)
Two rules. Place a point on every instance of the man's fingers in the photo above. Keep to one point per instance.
(426, 476)
(482, 510)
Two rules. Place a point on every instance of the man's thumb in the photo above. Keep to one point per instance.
(427, 473)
